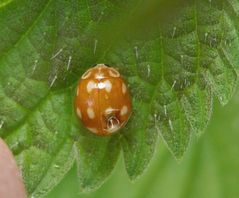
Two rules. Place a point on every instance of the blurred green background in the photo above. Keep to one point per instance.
(209, 169)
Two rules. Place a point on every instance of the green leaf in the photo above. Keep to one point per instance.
(96, 159)
(209, 169)
(138, 141)
(197, 104)
(174, 65)
(41, 143)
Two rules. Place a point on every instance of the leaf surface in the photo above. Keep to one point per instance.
(173, 70)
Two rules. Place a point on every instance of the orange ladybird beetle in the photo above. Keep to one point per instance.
(103, 102)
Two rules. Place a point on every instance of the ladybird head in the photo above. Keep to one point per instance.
(101, 71)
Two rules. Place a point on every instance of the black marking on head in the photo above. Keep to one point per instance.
(107, 65)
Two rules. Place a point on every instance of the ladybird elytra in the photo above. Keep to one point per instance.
(103, 101)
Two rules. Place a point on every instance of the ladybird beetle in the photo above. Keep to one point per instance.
(103, 102)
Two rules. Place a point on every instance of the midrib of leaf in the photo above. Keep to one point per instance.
(198, 48)
(50, 92)
(33, 110)
(157, 86)
(41, 101)
(152, 97)
(162, 80)
(50, 164)
(18, 42)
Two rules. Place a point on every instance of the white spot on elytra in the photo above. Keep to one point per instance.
(124, 110)
(90, 113)
(89, 102)
(109, 110)
(106, 97)
(91, 85)
(77, 91)
(124, 88)
(101, 85)
(78, 112)
(108, 85)
(94, 130)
